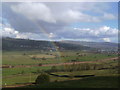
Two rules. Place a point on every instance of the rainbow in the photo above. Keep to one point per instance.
(42, 29)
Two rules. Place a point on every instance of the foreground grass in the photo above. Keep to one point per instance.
(27, 78)
(12, 76)
(91, 82)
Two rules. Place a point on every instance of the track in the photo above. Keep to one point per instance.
(21, 85)
(14, 86)
(69, 63)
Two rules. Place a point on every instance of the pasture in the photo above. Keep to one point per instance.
(26, 57)
(94, 82)
(21, 75)
(27, 78)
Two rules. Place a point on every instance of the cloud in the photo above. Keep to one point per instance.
(103, 33)
(109, 16)
(51, 35)
(28, 17)
(55, 13)
(8, 31)
(34, 11)
(56, 21)
(106, 39)
(77, 16)
(61, 1)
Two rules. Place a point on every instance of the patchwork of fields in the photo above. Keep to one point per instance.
(44, 61)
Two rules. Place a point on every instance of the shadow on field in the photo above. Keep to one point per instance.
(88, 82)
(77, 76)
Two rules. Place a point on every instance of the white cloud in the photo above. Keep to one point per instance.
(8, 31)
(108, 16)
(106, 39)
(103, 33)
(35, 11)
(51, 35)
(58, 18)
(75, 16)
(67, 13)
(61, 1)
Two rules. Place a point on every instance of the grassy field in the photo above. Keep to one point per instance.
(16, 71)
(18, 58)
(94, 82)
(26, 78)
(13, 76)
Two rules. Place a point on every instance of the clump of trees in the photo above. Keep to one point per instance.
(40, 64)
(43, 58)
(36, 58)
(42, 78)
(24, 53)
(54, 69)
(80, 67)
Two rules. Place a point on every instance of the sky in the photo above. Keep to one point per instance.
(78, 21)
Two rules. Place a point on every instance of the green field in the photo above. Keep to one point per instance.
(26, 78)
(18, 58)
(14, 76)
(15, 71)
(94, 82)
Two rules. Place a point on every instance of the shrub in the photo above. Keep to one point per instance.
(38, 71)
(56, 81)
(22, 72)
(42, 78)
(34, 57)
(43, 58)
(54, 69)
(40, 64)
(24, 53)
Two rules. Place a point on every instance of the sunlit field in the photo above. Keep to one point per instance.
(26, 67)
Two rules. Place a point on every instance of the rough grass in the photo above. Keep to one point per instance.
(91, 82)
(30, 77)
(15, 71)
(12, 75)
(18, 57)
(42, 56)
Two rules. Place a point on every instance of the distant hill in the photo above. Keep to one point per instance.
(26, 44)
(98, 45)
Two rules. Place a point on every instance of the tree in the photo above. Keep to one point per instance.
(40, 64)
(24, 53)
(42, 78)
(54, 69)
(43, 58)
(22, 72)
(38, 71)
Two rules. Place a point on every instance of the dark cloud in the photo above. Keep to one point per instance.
(18, 21)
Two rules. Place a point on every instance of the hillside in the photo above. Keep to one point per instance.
(26, 44)
(98, 45)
